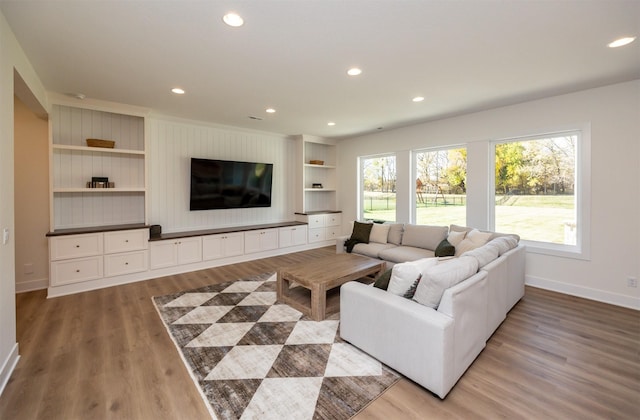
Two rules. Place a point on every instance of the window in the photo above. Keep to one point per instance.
(440, 188)
(538, 188)
(378, 186)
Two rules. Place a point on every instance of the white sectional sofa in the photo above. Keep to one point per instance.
(434, 341)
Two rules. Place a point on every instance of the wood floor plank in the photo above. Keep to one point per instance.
(105, 354)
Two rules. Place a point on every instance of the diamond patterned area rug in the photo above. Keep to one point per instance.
(253, 358)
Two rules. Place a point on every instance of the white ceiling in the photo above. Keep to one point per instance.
(462, 56)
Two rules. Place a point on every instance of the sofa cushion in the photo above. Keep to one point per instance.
(379, 233)
(438, 278)
(445, 249)
(371, 249)
(421, 236)
(382, 282)
(474, 239)
(484, 254)
(504, 243)
(361, 232)
(400, 254)
(406, 275)
(395, 233)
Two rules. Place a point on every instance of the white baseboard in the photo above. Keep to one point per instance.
(8, 366)
(31, 285)
(584, 292)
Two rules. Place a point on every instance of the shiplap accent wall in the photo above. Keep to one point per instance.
(172, 144)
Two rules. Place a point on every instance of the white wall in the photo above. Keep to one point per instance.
(171, 144)
(613, 113)
(11, 57)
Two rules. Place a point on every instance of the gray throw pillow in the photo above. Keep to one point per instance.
(361, 232)
(382, 282)
(445, 249)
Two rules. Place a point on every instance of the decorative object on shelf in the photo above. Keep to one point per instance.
(107, 144)
(155, 231)
(316, 162)
(316, 186)
(100, 182)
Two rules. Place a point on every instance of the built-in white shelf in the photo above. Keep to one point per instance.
(309, 165)
(97, 149)
(97, 190)
(319, 189)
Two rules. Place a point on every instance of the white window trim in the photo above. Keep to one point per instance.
(582, 249)
(414, 174)
(361, 159)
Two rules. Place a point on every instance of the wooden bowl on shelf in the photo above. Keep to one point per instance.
(316, 162)
(107, 144)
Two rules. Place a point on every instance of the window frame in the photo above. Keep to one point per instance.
(361, 159)
(414, 175)
(582, 195)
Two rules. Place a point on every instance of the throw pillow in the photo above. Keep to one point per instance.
(473, 240)
(404, 275)
(505, 243)
(439, 278)
(455, 238)
(395, 233)
(412, 290)
(445, 249)
(484, 254)
(382, 282)
(361, 232)
(379, 233)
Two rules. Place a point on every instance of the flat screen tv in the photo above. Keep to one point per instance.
(226, 184)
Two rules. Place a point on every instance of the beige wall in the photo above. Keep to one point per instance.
(31, 195)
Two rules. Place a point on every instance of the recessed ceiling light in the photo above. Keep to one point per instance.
(178, 91)
(233, 19)
(621, 42)
(270, 110)
(354, 71)
(331, 123)
(418, 99)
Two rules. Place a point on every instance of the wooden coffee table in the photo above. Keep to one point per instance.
(322, 277)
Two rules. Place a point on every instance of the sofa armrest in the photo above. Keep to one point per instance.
(413, 339)
(340, 240)
(467, 303)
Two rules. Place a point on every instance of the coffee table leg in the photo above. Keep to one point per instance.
(318, 302)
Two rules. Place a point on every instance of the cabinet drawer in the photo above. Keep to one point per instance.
(125, 263)
(125, 240)
(316, 235)
(74, 246)
(316, 221)
(333, 219)
(332, 232)
(77, 270)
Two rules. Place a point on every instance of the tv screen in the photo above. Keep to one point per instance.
(225, 184)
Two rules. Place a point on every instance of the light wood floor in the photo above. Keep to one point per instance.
(106, 355)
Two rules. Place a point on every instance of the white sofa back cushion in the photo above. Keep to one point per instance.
(404, 275)
(484, 254)
(421, 236)
(435, 280)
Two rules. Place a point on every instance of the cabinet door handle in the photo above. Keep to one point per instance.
(77, 270)
(126, 240)
(77, 246)
(126, 263)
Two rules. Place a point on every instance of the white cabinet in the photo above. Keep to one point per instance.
(76, 258)
(292, 236)
(260, 240)
(172, 252)
(75, 246)
(73, 164)
(223, 245)
(317, 183)
(322, 226)
(125, 252)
